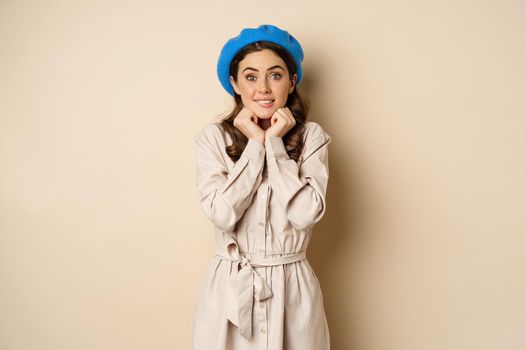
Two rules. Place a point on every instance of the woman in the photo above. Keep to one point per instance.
(262, 175)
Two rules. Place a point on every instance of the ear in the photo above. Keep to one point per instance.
(293, 82)
(234, 84)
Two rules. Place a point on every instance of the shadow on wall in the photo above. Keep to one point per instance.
(339, 228)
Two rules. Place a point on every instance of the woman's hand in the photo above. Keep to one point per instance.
(281, 122)
(248, 123)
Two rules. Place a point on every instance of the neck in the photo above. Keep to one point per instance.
(265, 123)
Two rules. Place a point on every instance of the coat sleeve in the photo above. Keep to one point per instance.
(300, 190)
(224, 193)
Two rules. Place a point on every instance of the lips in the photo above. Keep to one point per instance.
(265, 103)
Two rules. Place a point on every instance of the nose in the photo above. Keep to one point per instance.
(263, 86)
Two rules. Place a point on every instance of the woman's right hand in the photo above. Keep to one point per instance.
(248, 123)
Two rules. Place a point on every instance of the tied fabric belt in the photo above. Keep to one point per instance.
(250, 285)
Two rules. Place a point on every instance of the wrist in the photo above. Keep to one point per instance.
(259, 139)
(267, 136)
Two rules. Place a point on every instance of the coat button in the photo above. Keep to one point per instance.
(263, 330)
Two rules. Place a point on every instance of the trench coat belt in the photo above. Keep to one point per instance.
(250, 285)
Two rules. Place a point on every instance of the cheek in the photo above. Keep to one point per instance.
(246, 93)
(282, 90)
(283, 96)
(246, 100)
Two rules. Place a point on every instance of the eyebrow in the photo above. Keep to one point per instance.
(276, 66)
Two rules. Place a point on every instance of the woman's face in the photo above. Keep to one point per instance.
(263, 82)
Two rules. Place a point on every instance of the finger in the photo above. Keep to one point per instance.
(285, 116)
(280, 112)
(291, 116)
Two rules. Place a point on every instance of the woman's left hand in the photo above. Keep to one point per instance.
(281, 122)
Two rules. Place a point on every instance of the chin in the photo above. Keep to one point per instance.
(264, 114)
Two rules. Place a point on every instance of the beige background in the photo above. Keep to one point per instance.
(103, 244)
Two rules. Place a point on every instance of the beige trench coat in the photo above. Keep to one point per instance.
(259, 291)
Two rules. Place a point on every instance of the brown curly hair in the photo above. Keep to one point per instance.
(299, 107)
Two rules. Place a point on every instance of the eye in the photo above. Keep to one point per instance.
(249, 76)
(276, 75)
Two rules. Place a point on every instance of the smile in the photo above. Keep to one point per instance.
(265, 103)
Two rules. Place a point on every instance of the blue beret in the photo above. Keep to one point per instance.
(265, 32)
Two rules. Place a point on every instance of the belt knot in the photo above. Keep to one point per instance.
(245, 261)
(250, 285)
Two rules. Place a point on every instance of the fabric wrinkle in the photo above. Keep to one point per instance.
(261, 294)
